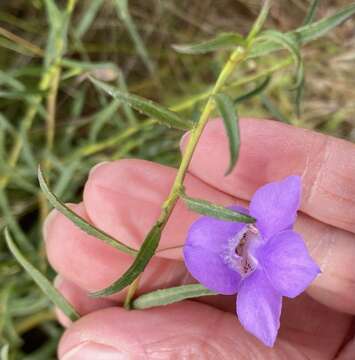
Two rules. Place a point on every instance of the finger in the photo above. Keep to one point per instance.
(270, 151)
(91, 264)
(79, 299)
(124, 198)
(190, 329)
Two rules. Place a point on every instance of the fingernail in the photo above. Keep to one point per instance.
(93, 351)
(95, 167)
(47, 223)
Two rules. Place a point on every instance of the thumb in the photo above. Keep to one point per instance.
(180, 331)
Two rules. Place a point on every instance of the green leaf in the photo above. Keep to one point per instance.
(254, 92)
(80, 222)
(274, 111)
(259, 23)
(87, 17)
(221, 41)
(230, 119)
(147, 107)
(293, 47)
(170, 295)
(142, 259)
(217, 211)
(305, 34)
(53, 294)
(311, 12)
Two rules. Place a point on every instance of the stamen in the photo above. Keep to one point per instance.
(237, 253)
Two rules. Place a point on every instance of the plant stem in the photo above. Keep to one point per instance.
(237, 56)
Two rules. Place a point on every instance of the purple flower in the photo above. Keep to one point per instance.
(260, 262)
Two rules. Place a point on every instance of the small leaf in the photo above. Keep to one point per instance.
(259, 23)
(170, 295)
(80, 222)
(230, 119)
(221, 41)
(148, 107)
(305, 34)
(274, 111)
(145, 253)
(311, 12)
(293, 47)
(217, 211)
(53, 294)
(254, 92)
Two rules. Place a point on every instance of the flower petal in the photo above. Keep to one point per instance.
(203, 253)
(212, 234)
(259, 307)
(287, 263)
(275, 205)
(209, 269)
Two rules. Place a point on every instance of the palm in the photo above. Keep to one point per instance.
(124, 197)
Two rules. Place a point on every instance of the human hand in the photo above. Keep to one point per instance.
(124, 197)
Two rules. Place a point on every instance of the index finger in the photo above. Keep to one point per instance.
(270, 151)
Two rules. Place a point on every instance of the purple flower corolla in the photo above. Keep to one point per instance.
(261, 262)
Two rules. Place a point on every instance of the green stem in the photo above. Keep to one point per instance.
(237, 56)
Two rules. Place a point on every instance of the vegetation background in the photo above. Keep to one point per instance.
(50, 113)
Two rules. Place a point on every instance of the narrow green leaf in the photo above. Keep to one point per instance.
(80, 222)
(217, 211)
(230, 119)
(259, 23)
(254, 92)
(221, 41)
(311, 12)
(274, 111)
(305, 34)
(293, 47)
(146, 252)
(88, 17)
(147, 107)
(317, 29)
(53, 294)
(170, 295)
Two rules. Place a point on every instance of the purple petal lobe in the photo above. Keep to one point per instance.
(287, 263)
(259, 307)
(204, 251)
(209, 269)
(275, 205)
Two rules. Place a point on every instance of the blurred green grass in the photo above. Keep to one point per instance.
(50, 113)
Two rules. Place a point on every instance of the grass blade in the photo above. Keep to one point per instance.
(142, 259)
(53, 294)
(147, 107)
(229, 115)
(80, 222)
(123, 13)
(311, 13)
(207, 208)
(221, 41)
(170, 295)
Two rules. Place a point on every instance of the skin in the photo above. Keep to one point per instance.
(123, 198)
